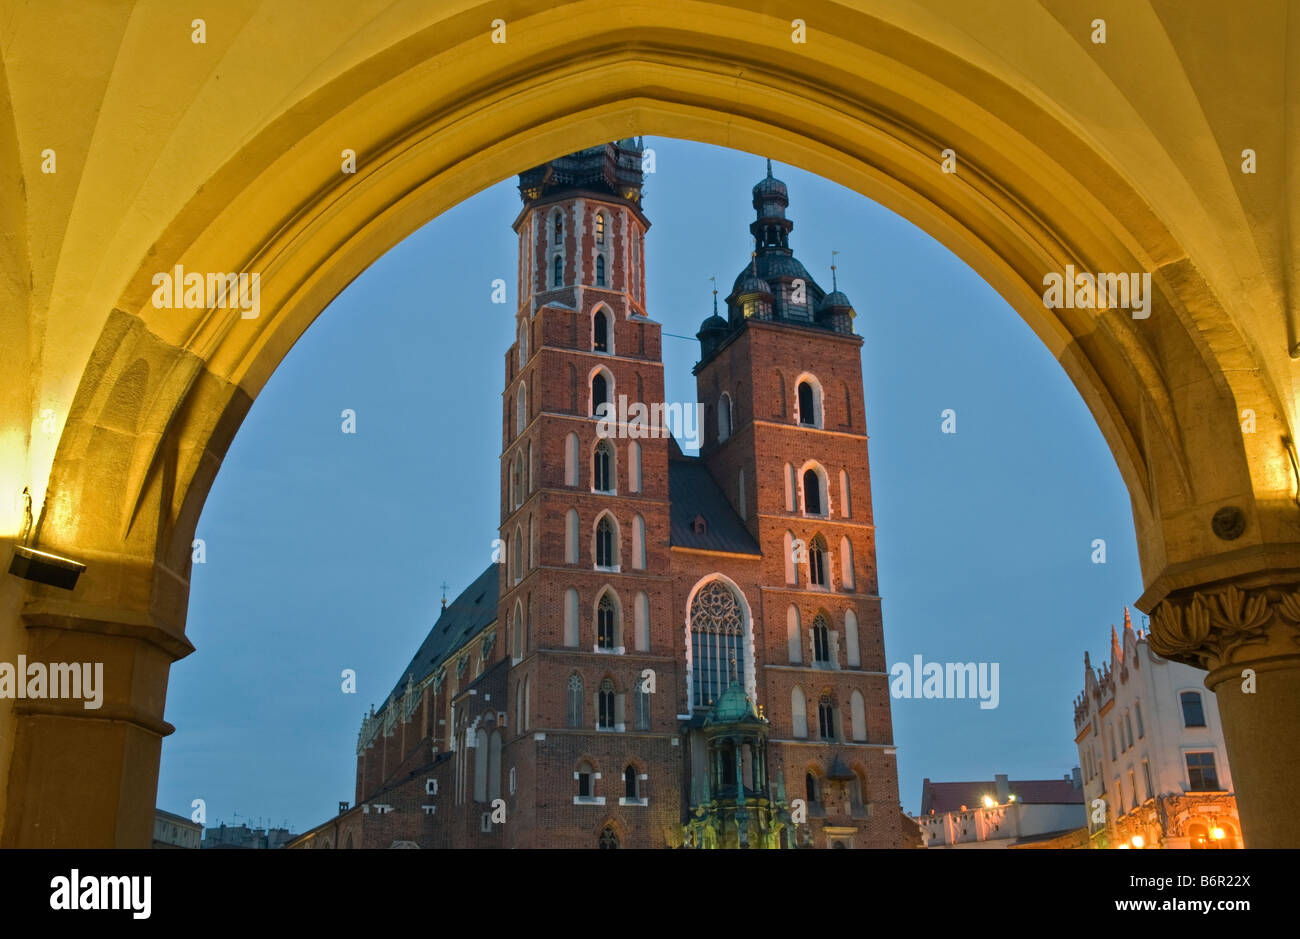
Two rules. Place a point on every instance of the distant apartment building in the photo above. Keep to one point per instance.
(237, 837)
(1003, 813)
(1155, 770)
(175, 831)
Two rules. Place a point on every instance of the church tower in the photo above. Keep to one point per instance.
(584, 520)
(785, 437)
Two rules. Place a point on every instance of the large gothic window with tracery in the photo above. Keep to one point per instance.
(717, 631)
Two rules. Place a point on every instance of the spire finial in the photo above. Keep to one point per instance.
(714, 279)
(769, 167)
(834, 283)
(444, 595)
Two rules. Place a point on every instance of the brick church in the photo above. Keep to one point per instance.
(671, 651)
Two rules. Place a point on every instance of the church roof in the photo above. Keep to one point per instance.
(475, 608)
(693, 494)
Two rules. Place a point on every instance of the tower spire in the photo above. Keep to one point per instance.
(834, 283)
(769, 167)
(444, 595)
(714, 279)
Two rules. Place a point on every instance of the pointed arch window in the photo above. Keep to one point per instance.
(642, 707)
(523, 344)
(606, 545)
(811, 787)
(602, 475)
(600, 228)
(558, 230)
(600, 270)
(575, 702)
(724, 417)
(606, 622)
(817, 562)
(600, 322)
(599, 392)
(814, 502)
(521, 409)
(717, 634)
(557, 272)
(606, 718)
(826, 717)
(821, 641)
(630, 782)
(809, 403)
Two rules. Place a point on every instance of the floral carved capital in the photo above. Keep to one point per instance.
(1209, 628)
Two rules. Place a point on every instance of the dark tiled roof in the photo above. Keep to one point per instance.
(475, 608)
(693, 492)
(950, 797)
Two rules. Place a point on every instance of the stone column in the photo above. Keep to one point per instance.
(87, 777)
(1246, 632)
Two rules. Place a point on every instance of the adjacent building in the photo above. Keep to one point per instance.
(228, 837)
(175, 831)
(1003, 813)
(1155, 769)
(670, 651)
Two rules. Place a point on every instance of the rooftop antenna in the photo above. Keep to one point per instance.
(834, 284)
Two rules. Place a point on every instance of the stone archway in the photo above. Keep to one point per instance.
(1065, 156)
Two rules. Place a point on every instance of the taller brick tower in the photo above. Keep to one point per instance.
(584, 518)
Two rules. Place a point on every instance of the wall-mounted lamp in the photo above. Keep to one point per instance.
(45, 568)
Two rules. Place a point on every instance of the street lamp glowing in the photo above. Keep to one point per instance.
(1138, 841)
(1217, 834)
(989, 802)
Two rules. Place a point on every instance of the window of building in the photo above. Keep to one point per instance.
(600, 270)
(1146, 775)
(575, 700)
(817, 562)
(600, 228)
(724, 417)
(811, 788)
(717, 632)
(1128, 726)
(826, 717)
(557, 272)
(606, 546)
(1114, 754)
(606, 622)
(600, 322)
(608, 838)
(793, 639)
(1119, 797)
(1193, 711)
(813, 501)
(798, 713)
(523, 344)
(1137, 709)
(605, 701)
(858, 714)
(586, 780)
(808, 396)
(521, 409)
(630, 786)
(558, 230)
(602, 474)
(599, 393)
(1201, 774)
(571, 460)
(821, 641)
(1133, 789)
(642, 707)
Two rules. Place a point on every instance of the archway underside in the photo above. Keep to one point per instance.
(435, 112)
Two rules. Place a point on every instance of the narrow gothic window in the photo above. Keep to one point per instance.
(807, 404)
(559, 228)
(600, 270)
(599, 323)
(602, 462)
(608, 838)
(585, 774)
(812, 493)
(817, 562)
(810, 787)
(826, 717)
(642, 707)
(629, 782)
(575, 700)
(821, 640)
(557, 275)
(605, 614)
(599, 393)
(600, 228)
(606, 701)
(605, 543)
(717, 631)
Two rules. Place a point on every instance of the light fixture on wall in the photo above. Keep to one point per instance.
(45, 568)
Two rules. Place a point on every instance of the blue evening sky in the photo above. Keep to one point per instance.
(326, 551)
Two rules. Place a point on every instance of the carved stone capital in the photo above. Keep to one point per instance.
(1227, 624)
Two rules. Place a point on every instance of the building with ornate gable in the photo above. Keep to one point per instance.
(1155, 768)
(673, 651)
